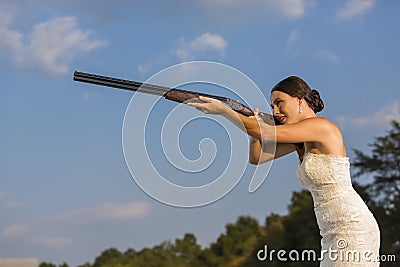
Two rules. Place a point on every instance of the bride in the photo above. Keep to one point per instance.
(350, 233)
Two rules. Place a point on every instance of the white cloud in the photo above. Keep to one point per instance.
(293, 50)
(50, 45)
(106, 212)
(3, 195)
(380, 118)
(6, 201)
(327, 55)
(151, 65)
(243, 9)
(209, 41)
(354, 8)
(144, 68)
(205, 46)
(54, 242)
(9, 40)
(293, 36)
(290, 8)
(15, 229)
(88, 95)
(204, 43)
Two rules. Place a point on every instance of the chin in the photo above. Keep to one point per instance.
(287, 122)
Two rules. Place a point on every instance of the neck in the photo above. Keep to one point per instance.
(309, 113)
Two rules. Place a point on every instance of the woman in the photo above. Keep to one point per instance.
(350, 234)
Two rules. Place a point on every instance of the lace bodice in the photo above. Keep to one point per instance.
(341, 213)
(326, 176)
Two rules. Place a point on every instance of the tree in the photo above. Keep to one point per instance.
(383, 165)
(301, 223)
(382, 192)
(234, 246)
(298, 230)
(187, 249)
(47, 264)
(107, 258)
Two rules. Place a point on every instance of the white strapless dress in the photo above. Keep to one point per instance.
(350, 233)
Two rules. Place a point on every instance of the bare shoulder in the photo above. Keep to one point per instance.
(321, 122)
(329, 132)
(331, 140)
(327, 123)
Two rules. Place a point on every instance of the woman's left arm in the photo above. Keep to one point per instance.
(308, 130)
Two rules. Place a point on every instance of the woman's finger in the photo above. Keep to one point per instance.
(194, 104)
(205, 99)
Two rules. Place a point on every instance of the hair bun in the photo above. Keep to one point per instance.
(316, 101)
(297, 87)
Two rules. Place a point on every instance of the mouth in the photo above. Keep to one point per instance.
(281, 119)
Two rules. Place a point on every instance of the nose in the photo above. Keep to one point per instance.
(276, 110)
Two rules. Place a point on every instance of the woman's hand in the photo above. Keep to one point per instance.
(209, 105)
(250, 125)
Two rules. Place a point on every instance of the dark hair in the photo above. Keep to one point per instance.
(297, 87)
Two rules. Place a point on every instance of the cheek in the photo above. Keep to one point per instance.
(284, 106)
(289, 109)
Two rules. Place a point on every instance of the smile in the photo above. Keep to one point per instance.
(281, 119)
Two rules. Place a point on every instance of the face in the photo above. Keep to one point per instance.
(285, 107)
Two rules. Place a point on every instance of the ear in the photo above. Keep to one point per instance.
(300, 100)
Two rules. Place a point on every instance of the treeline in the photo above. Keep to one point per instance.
(249, 243)
(237, 246)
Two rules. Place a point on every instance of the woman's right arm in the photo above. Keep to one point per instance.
(260, 153)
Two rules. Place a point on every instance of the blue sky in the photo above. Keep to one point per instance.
(65, 191)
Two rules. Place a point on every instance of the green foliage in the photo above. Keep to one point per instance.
(109, 257)
(300, 224)
(46, 264)
(383, 166)
(382, 192)
(237, 236)
(187, 250)
(297, 230)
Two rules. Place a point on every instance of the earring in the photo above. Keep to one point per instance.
(300, 109)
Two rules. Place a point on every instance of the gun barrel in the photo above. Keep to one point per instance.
(173, 94)
(119, 83)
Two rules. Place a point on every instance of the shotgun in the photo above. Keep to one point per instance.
(173, 94)
(176, 95)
